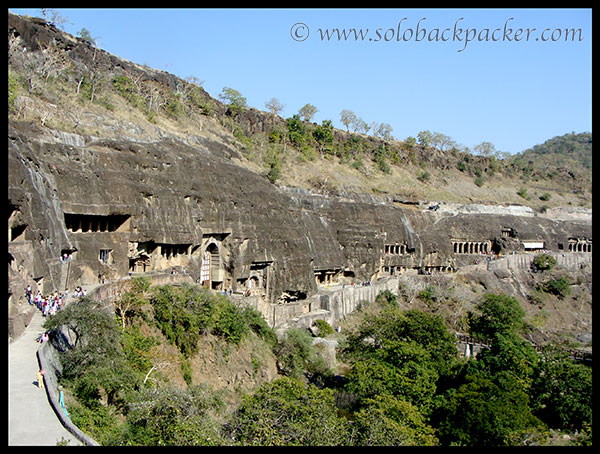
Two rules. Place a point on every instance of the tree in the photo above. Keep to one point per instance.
(86, 36)
(54, 18)
(297, 355)
(94, 363)
(174, 417)
(323, 134)
(233, 99)
(509, 354)
(562, 391)
(132, 296)
(485, 149)
(348, 118)
(499, 313)
(287, 412)
(424, 138)
(442, 141)
(296, 130)
(274, 106)
(485, 412)
(387, 421)
(308, 111)
(273, 161)
(383, 130)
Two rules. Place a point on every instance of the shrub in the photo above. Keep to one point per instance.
(323, 328)
(523, 193)
(543, 262)
(423, 176)
(559, 287)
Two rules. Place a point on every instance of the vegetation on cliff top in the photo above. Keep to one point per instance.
(69, 84)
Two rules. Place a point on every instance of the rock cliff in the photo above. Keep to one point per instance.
(126, 200)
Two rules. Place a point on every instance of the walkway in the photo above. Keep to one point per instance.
(31, 419)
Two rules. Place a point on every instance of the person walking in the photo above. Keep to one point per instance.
(40, 378)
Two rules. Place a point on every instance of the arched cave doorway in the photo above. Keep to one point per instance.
(210, 276)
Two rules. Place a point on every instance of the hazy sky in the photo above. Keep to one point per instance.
(513, 77)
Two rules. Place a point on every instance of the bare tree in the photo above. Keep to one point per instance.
(274, 106)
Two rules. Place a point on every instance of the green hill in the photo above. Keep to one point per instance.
(571, 152)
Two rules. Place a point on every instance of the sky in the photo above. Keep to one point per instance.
(512, 77)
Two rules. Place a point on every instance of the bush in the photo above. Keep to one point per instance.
(559, 287)
(323, 328)
(423, 176)
(297, 355)
(543, 262)
(523, 193)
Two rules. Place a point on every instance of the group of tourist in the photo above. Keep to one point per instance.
(50, 304)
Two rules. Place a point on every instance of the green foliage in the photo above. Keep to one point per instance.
(175, 315)
(560, 287)
(571, 151)
(273, 161)
(286, 412)
(324, 329)
(562, 391)
(498, 314)
(184, 313)
(125, 87)
(509, 354)
(136, 348)
(387, 298)
(522, 192)
(174, 417)
(229, 322)
(479, 181)
(484, 412)
(380, 159)
(307, 111)
(233, 99)
(423, 176)
(297, 356)
(13, 89)
(543, 262)
(95, 366)
(424, 138)
(407, 384)
(296, 131)
(388, 421)
(323, 134)
(400, 353)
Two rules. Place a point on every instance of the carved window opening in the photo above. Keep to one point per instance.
(471, 247)
(92, 223)
(105, 256)
(397, 249)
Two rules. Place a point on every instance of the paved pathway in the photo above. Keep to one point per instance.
(31, 419)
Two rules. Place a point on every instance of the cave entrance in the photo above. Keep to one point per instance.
(210, 270)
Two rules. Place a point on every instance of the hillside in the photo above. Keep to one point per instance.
(571, 151)
(67, 84)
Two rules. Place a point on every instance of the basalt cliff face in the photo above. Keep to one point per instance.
(119, 203)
